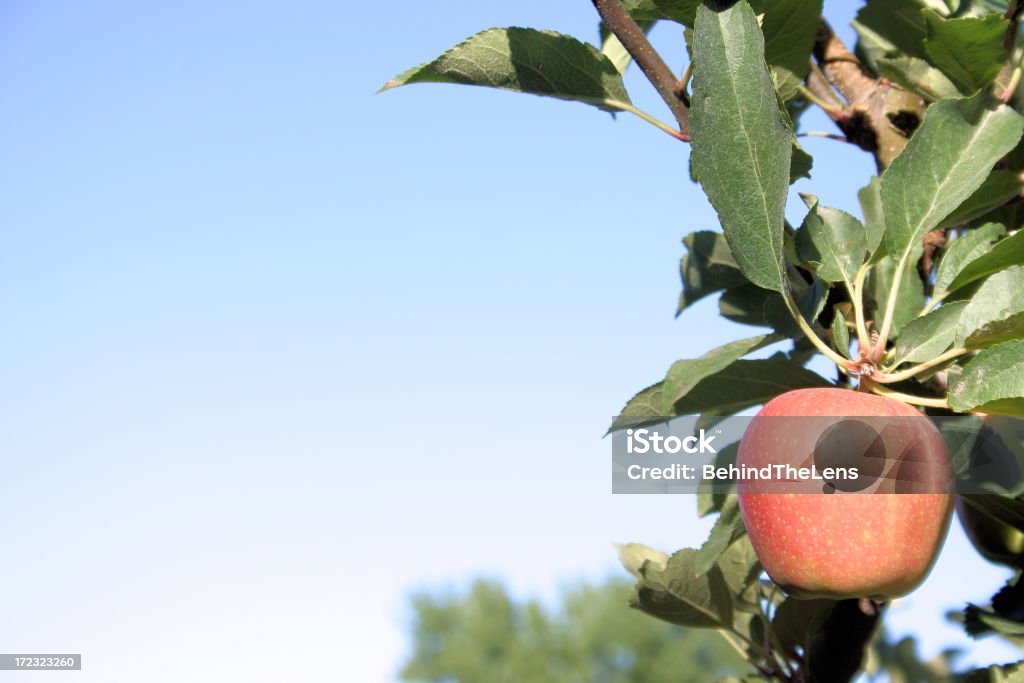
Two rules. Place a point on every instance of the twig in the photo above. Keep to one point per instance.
(632, 37)
(841, 67)
(872, 104)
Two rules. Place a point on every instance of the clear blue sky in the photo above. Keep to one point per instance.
(277, 352)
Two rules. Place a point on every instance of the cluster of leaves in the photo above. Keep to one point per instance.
(960, 172)
(932, 51)
(946, 177)
(920, 299)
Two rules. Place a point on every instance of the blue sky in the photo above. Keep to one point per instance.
(278, 352)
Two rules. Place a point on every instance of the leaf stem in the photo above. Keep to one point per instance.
(846, 365)
(657, 123)
(1011, 87)
(733, 642)
(632, 37)
(830, 109)
(889, 378)
(890, 310)
(822, 134)
(863, 338)
(758, 649)
(685, 80)
(905, 398)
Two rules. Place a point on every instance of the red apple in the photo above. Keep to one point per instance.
(837, 538)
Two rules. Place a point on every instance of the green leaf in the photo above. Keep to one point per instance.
(870, 198)
(741, 148)
(684, 375)
(711, 497)
(789, 29)
(984, 453)
(643, 408)
(945, 161)
(526, 60)
(750, 305)
(1002, 625)
(840, 334)
(1008, 511)
(728, 527)
(979, 8)
(961, 436)
(801, 163)
(681, 595)
(960, 252)
(968, 50)
(682, 11)
(643, 10)
(744, 384)
(992, 382)
(707, 267)
(909, 298)
(739, 567)
(888, 27)
(831, 242)
(999, 188)
(1005, 253)
(996, 313)
(788, 26)
(917, 76)
(929, 336)
(634, 555)
(796, 621)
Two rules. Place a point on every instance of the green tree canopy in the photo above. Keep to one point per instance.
(592, 637)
